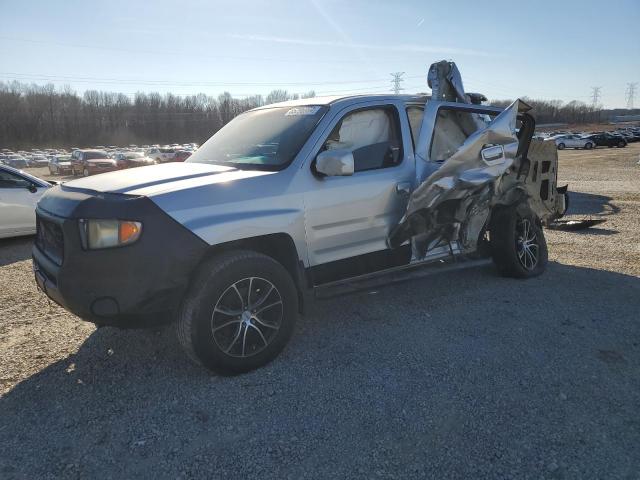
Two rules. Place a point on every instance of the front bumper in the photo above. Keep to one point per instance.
(94, 170)
(137, 285)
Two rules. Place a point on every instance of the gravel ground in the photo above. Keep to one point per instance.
(460, 375)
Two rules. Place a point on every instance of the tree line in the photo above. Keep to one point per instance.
(574, 112)
(45, 116)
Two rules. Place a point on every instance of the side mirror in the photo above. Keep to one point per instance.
(32, 188)
(493, 155)
(335, 163)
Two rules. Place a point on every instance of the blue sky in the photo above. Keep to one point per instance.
(542, 49)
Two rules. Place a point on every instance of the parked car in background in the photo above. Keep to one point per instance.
(91, 162)
(60, 165)
(629, 136)
(161, 154)
(133, 159)
(606, 139)
(38, 161)
(181, 155)
(16, 161)
(573, 141)
(19, 194)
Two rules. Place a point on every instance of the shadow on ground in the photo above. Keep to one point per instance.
(591, 204)
(14, 250)
(463, 375)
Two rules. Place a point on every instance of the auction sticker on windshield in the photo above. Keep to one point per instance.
(302, 111)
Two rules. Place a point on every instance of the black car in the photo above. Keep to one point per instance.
(606, 139)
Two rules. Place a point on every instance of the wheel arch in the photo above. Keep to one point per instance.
(280, 247)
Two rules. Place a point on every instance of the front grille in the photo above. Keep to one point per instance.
(49, 239)
(104, 165)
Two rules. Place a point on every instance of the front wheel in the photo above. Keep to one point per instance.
(588, 146)
(85, 172)
(621, 144)
(518, 246)
(239, 312)
(561, 146)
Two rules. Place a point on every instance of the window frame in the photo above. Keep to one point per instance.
(406, 110)
(396, 128)
(494, 112)
(19, 177)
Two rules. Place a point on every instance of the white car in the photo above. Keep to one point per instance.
(161, 154)
(573, 141)
(19, 194)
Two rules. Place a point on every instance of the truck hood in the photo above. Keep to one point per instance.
(159, 179)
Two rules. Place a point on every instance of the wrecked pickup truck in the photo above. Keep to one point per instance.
(293, 196)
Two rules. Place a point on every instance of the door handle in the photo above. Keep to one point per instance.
(403, 188)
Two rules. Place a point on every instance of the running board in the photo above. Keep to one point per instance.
(389, 276)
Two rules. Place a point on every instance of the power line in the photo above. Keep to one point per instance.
(396, 81)
(631, 93)
(595, 97)
(168, 83)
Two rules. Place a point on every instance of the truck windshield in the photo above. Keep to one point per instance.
(265, 139)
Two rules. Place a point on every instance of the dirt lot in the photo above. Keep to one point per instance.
(461, 375)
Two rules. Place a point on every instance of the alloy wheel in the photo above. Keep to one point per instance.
(247, 317)
(527, 245)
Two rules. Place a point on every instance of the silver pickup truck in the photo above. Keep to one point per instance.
(293, 196)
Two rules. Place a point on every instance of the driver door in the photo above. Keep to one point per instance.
(347, 216)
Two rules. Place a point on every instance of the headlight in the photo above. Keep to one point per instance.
(108, 233)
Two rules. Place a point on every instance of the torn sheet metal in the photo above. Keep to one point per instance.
(540, 172)
(445, 82)
(454, 202)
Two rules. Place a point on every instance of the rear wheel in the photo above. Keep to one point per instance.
(561, 146)
(518, 246)
(239, 313)
(588, 146)
(621, 144)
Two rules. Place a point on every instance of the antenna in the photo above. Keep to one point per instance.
(396, 81)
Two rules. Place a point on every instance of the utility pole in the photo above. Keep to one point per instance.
(595, 97)
(396, 81)
(631, 93)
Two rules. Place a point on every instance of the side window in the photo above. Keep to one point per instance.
(372, 135)
(415, 115)
(11, 180)
(451, 130)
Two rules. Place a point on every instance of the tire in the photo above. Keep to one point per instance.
(588, 146)
(621, 144)
(85, 172)
(561, 146)
(217, 324)
(512, 256)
